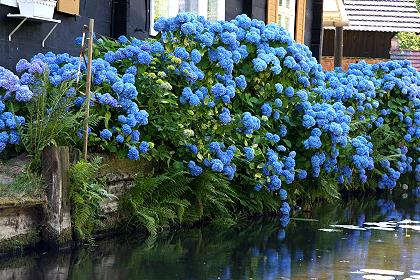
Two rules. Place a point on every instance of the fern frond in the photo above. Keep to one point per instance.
(87, 192)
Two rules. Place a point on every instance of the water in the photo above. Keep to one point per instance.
(260, 249)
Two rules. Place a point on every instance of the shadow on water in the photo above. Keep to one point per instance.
(267, 248)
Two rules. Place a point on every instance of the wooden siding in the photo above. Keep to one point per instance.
(360, 43)
(300, 21)
(273, 16)
(69, 6)
(272, 11)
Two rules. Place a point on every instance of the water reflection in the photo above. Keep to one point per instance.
(262, 249)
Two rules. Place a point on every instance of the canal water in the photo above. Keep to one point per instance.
(341, 240)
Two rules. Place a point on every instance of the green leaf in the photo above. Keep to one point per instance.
(107, 118)
(287, 142)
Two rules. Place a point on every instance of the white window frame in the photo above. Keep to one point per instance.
(173, 8)
(289, 13)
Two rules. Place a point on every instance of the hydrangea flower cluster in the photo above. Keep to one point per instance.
(11, 90)
(383, 100)
(242, 97)
(116, 100)
(221, 161)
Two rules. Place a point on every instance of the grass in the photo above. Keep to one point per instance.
(27, 188)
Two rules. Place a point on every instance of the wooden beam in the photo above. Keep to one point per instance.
(338, 47)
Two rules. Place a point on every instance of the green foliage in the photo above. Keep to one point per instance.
(214, 199)
(156, 202)
(87, 192)
(49, 120)
(257, 203)
(25, 184)
(409, 40)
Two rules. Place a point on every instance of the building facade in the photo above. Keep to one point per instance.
(302, 18)
(372, 26)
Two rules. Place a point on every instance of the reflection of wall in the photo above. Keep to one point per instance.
(261, 249)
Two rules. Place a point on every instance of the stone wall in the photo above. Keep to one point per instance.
(120, 175)
(20, 216)
(24, 222)
(401, 54)
(327, 62)
(19, 226)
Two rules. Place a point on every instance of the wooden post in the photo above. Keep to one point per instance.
(88, 82)
(338, 47)
(82, 47)
(55, 165)
(321, 45)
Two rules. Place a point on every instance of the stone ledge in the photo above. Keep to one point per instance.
(21, 202)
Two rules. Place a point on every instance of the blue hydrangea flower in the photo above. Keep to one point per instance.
(4, 137)
(289, 92)
(283, 194)
(105, 134)
(144, 147)
(249, 153)
(126, 129)
(225, 117)
(122, 39)
(188, 28)
(133, 153)
(216, 165)
(194, 169)
(195, 56)
(24, 94)
(120, 139)
(266, 110)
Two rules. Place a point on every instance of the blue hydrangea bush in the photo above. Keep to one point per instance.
(242, 99)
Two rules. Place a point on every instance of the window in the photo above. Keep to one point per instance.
(286, 16)
(211, 9)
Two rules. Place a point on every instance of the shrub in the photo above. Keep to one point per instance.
(409, 40)
(243, 100)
